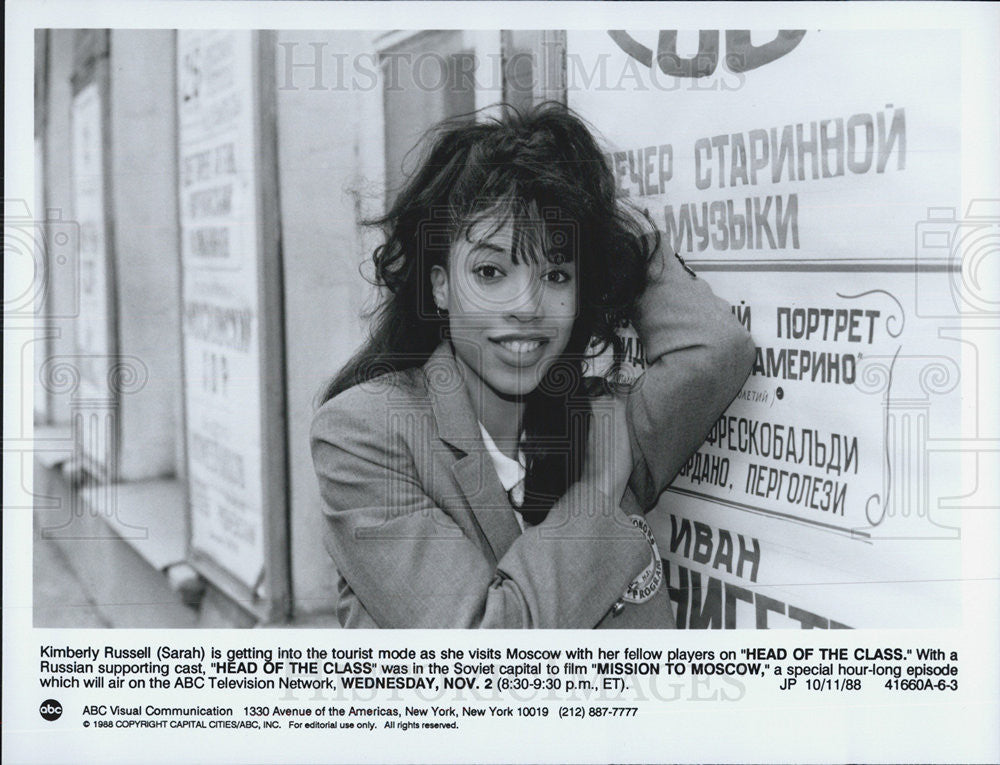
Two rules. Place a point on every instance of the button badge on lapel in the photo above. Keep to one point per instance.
(646, 585)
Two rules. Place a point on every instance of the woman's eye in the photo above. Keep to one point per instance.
(487, 271)
(558, 276)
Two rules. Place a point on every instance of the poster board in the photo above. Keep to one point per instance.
(231, 319)
(94, 408)
(817, 192)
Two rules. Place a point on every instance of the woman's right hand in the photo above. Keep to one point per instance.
(608, 463)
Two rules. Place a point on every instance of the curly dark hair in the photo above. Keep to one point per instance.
(547, 160)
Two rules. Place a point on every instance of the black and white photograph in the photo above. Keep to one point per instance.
(337, 328)
(545, 341)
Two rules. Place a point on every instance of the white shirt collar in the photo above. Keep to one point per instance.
(510, 472)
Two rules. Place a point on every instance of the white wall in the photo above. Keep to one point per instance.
(144, 193)
(330, 177)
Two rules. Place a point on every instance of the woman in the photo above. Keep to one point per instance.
(473, 475)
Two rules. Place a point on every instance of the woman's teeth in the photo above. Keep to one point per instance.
(521, 346)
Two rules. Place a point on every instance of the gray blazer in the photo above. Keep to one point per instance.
(423, 534)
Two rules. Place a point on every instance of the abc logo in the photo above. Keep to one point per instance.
(50, 709)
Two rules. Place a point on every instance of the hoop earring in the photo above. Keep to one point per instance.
(441, 312)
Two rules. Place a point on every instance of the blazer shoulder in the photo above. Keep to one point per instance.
(363, 407)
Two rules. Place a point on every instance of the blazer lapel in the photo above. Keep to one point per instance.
(474, 472)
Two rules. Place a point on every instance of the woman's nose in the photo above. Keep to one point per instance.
(527, 303)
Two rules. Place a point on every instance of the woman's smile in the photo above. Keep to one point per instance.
(521, 351)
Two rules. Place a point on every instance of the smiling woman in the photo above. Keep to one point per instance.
(474, 475)
(511, 306)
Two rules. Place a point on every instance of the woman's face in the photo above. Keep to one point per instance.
(510, 313)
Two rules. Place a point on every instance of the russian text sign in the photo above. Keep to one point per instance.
(795, 172)
(220, 313)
